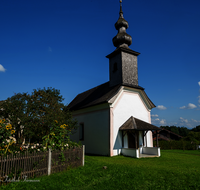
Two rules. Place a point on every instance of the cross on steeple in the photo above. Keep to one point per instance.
(121, 12)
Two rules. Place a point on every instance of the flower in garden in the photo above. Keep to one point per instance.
(13, 131)
(9, 126)
(21, 148)
(2, 120)
(56, 121)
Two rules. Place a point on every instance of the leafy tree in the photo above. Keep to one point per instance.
(196, 129)
(174, 129)
(14, 110)
(165, 127)
(183, 131)
(193, 137)
(36, 113)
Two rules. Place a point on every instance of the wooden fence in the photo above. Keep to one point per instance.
(29, 165)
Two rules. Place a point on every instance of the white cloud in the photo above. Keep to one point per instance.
(162, 122)
(161, 107)
(157, 119)
(189, 106)
(199, 83)
(2, 69)
(183, 120)
(195, 121)
(154, 115)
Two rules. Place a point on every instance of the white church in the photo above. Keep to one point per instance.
(115, 117)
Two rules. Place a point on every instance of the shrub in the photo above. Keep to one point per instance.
(181, 144)
(6, 137)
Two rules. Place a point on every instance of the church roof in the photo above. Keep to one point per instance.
(99, 95)
(137, 124)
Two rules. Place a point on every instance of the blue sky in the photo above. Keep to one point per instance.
(63, 44)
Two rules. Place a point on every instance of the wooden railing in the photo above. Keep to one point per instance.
(29, 165)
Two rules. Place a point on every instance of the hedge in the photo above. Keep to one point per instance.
(183, 145)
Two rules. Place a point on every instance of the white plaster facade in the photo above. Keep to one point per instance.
(96, 122)
(102, 122)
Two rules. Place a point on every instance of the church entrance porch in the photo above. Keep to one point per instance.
(143, 152)
(136, 141)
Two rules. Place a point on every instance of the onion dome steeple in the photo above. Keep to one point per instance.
(122, 38)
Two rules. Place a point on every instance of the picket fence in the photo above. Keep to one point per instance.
(29, 165)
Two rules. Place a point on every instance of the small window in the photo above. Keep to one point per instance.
(115, 67)
(81, 132)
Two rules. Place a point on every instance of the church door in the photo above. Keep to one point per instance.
(131, 140)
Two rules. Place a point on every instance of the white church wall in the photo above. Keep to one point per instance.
(128, 103)
(149, 139)
(96, 131)
(126, 141)
(141, 138)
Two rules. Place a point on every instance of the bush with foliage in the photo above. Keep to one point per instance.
(181, 144)
(33, 115)
(41, 117)
(6, 137)
(58, 137)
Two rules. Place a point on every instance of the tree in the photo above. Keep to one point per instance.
(183, 131)
(36, 113)
(174, 129)
(193, 137)
(45, 107)
(165, 127)
(14, 110)
(196, 129)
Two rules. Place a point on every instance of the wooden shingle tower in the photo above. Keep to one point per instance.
(123, 61)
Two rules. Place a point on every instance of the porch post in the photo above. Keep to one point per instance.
(157, 139)
(146, 138)
(136, 139)
(122, 139)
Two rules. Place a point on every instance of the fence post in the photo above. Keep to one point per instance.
(83, 161)
(49, 162)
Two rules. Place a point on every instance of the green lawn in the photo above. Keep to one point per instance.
(175, 169)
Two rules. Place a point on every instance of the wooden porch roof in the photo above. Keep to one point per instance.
(137, 124)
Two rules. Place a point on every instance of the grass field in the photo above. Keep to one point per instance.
(175, 169)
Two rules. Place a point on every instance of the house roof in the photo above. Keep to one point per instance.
(137, 124)
(99, 95)
(161, 137)
(163, 129)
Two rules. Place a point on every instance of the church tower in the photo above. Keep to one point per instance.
(123, 61)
